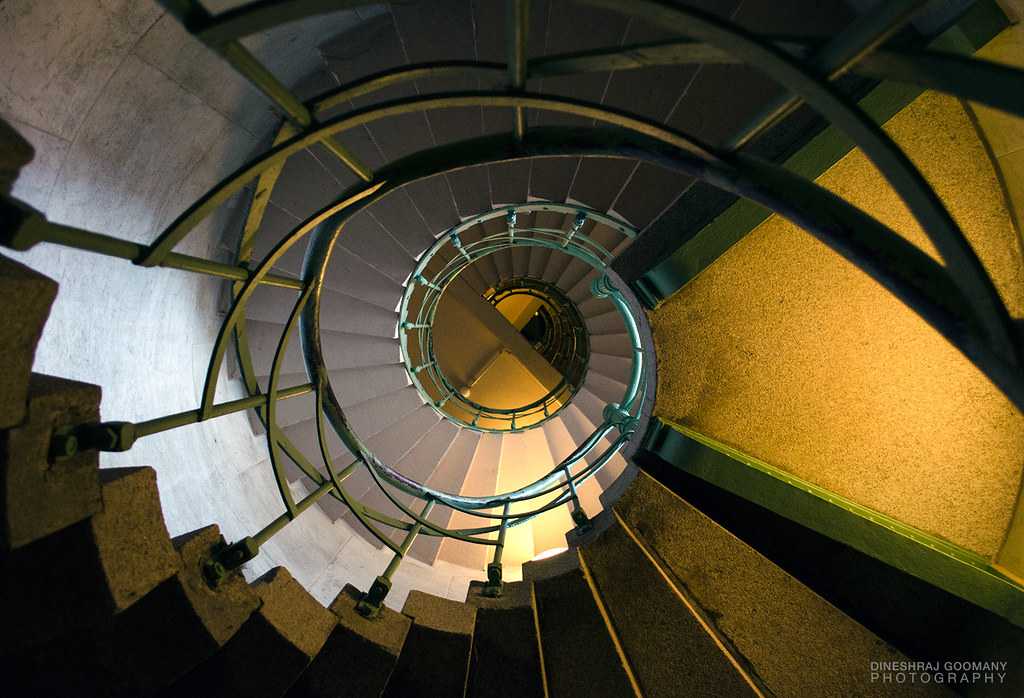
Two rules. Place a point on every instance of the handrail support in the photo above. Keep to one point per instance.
(369, 605)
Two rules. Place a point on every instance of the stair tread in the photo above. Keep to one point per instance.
(667, 647)
(436, 652)
(741, 589)
(579, 656)
(506, 658)
(371, 645)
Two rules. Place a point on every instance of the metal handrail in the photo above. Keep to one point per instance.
(416, 330)
(959, 301)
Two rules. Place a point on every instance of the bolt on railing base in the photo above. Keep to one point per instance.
(582, 521)
(369, 605)
(225, 559)
(494, 585)
(103, 436)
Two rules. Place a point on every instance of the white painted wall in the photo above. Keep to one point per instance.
(132, 120)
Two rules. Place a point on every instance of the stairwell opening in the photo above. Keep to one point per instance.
(519, 346)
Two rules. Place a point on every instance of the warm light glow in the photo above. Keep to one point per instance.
(551, 552)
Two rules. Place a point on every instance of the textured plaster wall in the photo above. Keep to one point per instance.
(132, 119)
(1004, 136)
(786, 351)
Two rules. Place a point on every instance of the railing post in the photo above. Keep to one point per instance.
(494, 585)
(579, 516)
(577, 225)
(422, 280)
(371, 602)
(457, 244)
(518, 23)
(226, 558)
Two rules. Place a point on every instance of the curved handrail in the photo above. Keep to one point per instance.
(416, 331)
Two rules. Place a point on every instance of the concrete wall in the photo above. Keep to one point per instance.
(786, 351)
(132, 120)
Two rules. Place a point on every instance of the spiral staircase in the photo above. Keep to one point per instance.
(371, 521)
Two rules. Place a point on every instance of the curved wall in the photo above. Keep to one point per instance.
(132, 119)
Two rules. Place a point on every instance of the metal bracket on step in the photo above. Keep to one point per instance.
(225, 559)
(582, 521)
(494, 585)
(103, 436)
(369, 605)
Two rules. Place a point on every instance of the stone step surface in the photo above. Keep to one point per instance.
(359, 655)
(83, 574)
(437, 649)
(506, 660)
(271, 649)
(149, 645)
(787, 634)
(40, 495)
(31, 294)
(666, 645)
(580, 658)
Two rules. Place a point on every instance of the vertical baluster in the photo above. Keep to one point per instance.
(372, 600)
(494, 584)
(579, 516)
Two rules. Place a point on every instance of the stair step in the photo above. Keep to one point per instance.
(606, 323)
(785, 631)
(276, 224)
(364, 236)
(556, 265)
(605, 388)
(390, 446)
(448, 476)
(351, 387)
(554, 566)
(397, 214)
(40, 498)
(612, 344)
(304, 187)
(509, 181)
(539, 256)
(562, 443)
(501, 261)
(666, 645)
(349, 274)
(341, 350)
(417, 464)
(359, 655)
(581, 417)
(615, 367)
(487, 267)
(479, 273)
(85, 573)
(599, 181)
(580, 658)
(506, 659)
(271, 649)
(436, 652)
(338, 312)
(31, 294)
(145, 648)
(481, 480)
(591, 306)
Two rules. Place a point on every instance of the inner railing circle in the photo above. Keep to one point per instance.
(450, 256)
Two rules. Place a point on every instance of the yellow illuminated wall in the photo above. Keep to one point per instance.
(786, 351)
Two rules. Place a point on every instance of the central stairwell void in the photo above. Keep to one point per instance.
(349, 396)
